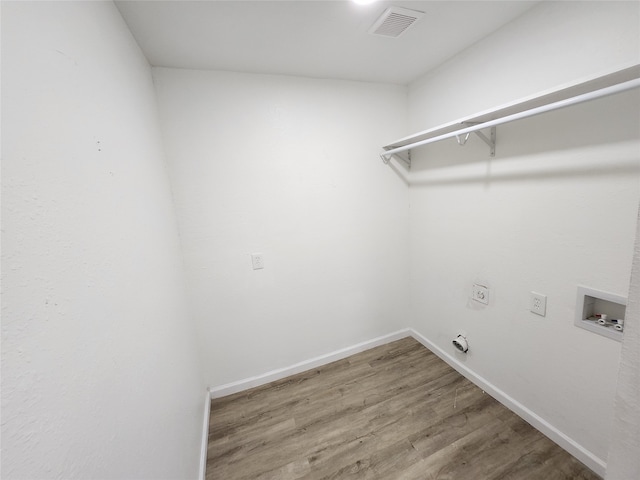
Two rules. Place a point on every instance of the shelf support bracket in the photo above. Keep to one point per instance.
(491, 140)
(463, 141)
(403, 156)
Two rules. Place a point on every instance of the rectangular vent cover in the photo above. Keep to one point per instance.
(394, 21)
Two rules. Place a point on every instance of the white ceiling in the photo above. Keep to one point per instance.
(322, 39)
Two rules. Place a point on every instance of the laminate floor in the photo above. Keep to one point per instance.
(392, 412)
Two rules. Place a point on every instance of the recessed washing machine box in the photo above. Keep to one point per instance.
(600, 312)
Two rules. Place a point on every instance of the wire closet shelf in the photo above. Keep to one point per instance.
(590, 89)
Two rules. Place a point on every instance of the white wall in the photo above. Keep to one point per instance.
(99, 370)
(551, 44)
(100, 377)
(287, 167)
(623, 461)
(554, 209)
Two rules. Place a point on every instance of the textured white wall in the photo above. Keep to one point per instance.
(623, 461)
(100, 377)
(554, 209)
(287, 167)
(551, 44)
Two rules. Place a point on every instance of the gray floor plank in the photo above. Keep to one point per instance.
(393, 412)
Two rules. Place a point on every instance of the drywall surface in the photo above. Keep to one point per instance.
(286, 167)
(99, 371)
(552, 44)
(623, 461)
(556, 208)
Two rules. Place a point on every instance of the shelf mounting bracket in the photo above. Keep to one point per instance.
(403, 156)
(491, 140)
(462, 141)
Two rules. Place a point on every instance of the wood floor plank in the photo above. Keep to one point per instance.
(455, 426)
(391, 461)
(392, 412)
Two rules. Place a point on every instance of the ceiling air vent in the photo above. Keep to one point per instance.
(394, 21)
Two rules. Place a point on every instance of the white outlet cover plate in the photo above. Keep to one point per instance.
(538, 304)
(480, 293)
(257, 261)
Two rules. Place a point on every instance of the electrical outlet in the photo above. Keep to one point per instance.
(480, 293)
(257, 261)
(538, 304)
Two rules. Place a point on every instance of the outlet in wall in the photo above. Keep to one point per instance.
(538, 304)
(257, 261)
(480, 293)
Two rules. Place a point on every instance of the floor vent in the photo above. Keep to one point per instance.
(394, 21)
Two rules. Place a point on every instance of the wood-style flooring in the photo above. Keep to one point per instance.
(392, 412)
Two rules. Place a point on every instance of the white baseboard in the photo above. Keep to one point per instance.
(239, 386)
(205, 437)
(574, 448)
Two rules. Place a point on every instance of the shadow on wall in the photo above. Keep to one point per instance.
(554, 167)
(574, 142)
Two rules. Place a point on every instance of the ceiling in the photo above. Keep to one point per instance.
(321, 39)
